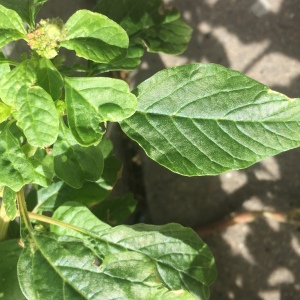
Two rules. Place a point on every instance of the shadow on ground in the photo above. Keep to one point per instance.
(259, 260)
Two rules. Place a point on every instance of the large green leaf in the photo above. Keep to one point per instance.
(206, 119)
(26, 9)
(65, 268)
(15, 169)
(161, 29)
(181, 259)
(95, 37)
(9, 201)
(11, 26)
(91, 101)
(9, 255)
(73, 163)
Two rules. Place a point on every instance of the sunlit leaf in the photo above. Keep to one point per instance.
(205, 119)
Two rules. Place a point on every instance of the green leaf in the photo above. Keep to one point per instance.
(55, 195)
(115, 211)
(26, 9)
(75, 274)
(206, 119)
(5, 111)
(11, 26)
(161, 29)
(180, 257)
(4, 66)
(9, 254)
(13, 81)
(91, 101)
(73, 163)
(95, 37)
(131, 62)
(33, 107)
(49, 78)
(43, 167)
(15, 168)
(37, 116)
(9, 201)
(51, 197)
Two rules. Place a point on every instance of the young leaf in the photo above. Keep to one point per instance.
(181, 259)
(161, 29)
(73, 163)
(15, 168)
(75, 274)
(206, 119)
(26, 9)
(9, 201)
(91, 101)
(49, 78)
(95, 37)
(9, 254)
(11, 26)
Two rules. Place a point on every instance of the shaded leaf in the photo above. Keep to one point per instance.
(182, 260)
(115, 211)
(9, 255)
(4, 66)
(43, 167)
(161, 29)
(26, 9)
(95, 37)
(55, 195)
(206, 119)
(73, 163)
(9, 201)
(91, 101)
(11, 26)
(131, 62)
(15, 168)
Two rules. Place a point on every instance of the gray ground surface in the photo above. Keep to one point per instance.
(260, 260)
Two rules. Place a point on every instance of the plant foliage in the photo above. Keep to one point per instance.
(194, 119)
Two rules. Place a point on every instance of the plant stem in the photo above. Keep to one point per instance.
(23, 210)
(4, 223)
(52, 221)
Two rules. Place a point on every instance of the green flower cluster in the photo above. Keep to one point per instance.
(45, 38)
